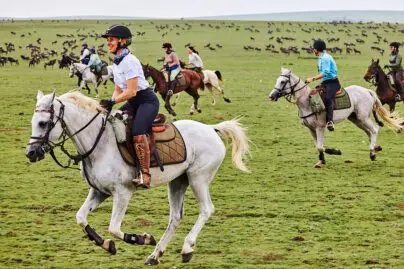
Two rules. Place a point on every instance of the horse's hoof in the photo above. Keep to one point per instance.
(186, 257)
(174, 104)
(191, 113)
(151, 262)
(373, 157)
(378, 148)
(149, 240)
(199, 110)
(318, 164)
(227, 100)
(174, 114)
(109, 245)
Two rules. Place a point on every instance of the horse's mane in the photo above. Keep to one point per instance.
(82, 101)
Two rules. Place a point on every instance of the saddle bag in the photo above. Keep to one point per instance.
(316, 103)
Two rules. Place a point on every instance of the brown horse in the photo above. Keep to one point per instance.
(193, 82)
(385, 91)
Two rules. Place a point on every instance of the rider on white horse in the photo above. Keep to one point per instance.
(85, 53)
(328, 73)
(172, 65)
(194, 60)
(131, 86)
(95, 63)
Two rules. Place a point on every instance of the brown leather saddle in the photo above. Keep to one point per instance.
(341, 101)
(166, 143)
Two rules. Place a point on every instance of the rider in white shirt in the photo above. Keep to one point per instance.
(132, 87)
(194, 60)
(85, 53)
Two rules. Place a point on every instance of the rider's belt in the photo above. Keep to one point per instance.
(170, 68)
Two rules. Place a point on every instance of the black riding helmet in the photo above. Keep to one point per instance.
(119, 31)
(319, 45)
(167, 46)
(394, 44)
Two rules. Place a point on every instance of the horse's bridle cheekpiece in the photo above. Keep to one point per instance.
(288, 95)
(49, 146)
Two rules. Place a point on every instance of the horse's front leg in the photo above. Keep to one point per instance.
(95, 83)
(177, 97)
(168, 106)
(120, 203)
(94, 198)
(320, 146)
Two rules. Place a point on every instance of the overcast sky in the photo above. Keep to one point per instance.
(180, 8)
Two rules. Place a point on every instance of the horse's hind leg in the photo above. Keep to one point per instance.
(176, 195)
(199, 183)
(380, 123)
(209, 87)
(94, 198)
(120, 204)
(371, 130)
(227, 100)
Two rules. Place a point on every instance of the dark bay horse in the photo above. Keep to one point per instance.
(385, 91)
(193, 82)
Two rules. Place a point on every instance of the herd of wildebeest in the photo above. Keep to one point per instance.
(64, 45)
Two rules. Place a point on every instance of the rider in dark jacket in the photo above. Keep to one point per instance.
(396, 68)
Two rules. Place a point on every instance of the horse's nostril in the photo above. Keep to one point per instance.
(31, 153)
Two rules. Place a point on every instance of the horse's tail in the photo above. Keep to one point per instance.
(237, 133)
(219, 75)
(393, 121)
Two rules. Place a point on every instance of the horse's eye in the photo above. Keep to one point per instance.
(282, 82)
(42, 124)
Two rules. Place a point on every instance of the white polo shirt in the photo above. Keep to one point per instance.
(128, 68)
(195, 60)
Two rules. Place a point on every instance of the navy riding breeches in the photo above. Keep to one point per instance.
(144, 106)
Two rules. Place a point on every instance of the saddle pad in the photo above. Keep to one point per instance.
(104, 70)
(171, 151)
(181, 79)
(342, 100)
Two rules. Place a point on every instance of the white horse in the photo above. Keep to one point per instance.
(212, 81)
(363, 102)
(108, 175)
(87, 76)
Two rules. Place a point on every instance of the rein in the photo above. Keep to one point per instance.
(288, 96)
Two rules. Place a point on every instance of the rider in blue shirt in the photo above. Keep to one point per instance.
(328, 72)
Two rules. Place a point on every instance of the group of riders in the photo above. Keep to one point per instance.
(132, 87)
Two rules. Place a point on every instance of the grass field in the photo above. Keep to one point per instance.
(285, 214)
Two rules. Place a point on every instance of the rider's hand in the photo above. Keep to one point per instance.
(308, 80)
(107, 104)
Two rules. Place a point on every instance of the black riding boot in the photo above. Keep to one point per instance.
(171, 87)
(399, 90)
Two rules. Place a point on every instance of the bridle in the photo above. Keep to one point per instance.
(49, 146)
(288, 95)
(373, 77)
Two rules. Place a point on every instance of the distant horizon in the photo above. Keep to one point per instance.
(251, 16)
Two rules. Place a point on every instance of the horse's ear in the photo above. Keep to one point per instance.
(53, 95)
(372, 60)
(377, 61)
(39, 95)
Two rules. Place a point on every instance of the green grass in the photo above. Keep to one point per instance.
(285, 214)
